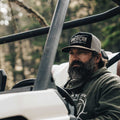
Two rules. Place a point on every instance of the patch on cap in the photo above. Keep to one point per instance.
(83, 40)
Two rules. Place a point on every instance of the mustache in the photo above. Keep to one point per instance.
(77, 62)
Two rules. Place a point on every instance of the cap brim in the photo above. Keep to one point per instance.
(67, 49)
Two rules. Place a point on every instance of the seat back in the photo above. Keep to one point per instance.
(3, 78)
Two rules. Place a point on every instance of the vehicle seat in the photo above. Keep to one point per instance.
(3, 78)
(118, 68)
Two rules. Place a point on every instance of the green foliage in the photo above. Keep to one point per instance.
(103, 5)
(36, 54)
(112, 34)
(39, 41)
(108, 31)
(9, 57)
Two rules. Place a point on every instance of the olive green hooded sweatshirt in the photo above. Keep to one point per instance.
(100, 97)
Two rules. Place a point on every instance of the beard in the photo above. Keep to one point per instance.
(82, 70)
(80, 73)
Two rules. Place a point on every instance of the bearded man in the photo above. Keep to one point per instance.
(95, 90)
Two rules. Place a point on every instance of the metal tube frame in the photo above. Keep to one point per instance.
(67, 25)
(44, 72)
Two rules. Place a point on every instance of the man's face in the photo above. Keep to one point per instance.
(81, 64)
(79, 55)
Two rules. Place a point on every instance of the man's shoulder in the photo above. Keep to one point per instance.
(109, 78)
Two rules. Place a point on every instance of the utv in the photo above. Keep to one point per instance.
(40, 98)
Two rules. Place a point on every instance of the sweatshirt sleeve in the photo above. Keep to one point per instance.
(109, 101)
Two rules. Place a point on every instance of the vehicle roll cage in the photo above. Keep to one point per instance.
(67, 25)
(54, 32)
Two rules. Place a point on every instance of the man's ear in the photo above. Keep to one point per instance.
(97, 58)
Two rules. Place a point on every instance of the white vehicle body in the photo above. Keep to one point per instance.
(33, 105)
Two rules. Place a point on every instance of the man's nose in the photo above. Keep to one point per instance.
(76, 57)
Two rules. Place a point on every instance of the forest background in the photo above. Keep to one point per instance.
(21, 59)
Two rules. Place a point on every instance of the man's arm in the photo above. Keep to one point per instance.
(109, 102)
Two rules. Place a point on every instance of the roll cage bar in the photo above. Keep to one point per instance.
(44, 72)
(67, 25)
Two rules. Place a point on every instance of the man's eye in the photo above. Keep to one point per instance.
(79, 52)
(70, 52)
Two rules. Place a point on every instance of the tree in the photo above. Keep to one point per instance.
(109, 29)
(31, 14)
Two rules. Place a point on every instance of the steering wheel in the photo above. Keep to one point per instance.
(23, 83)
(67, 98)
